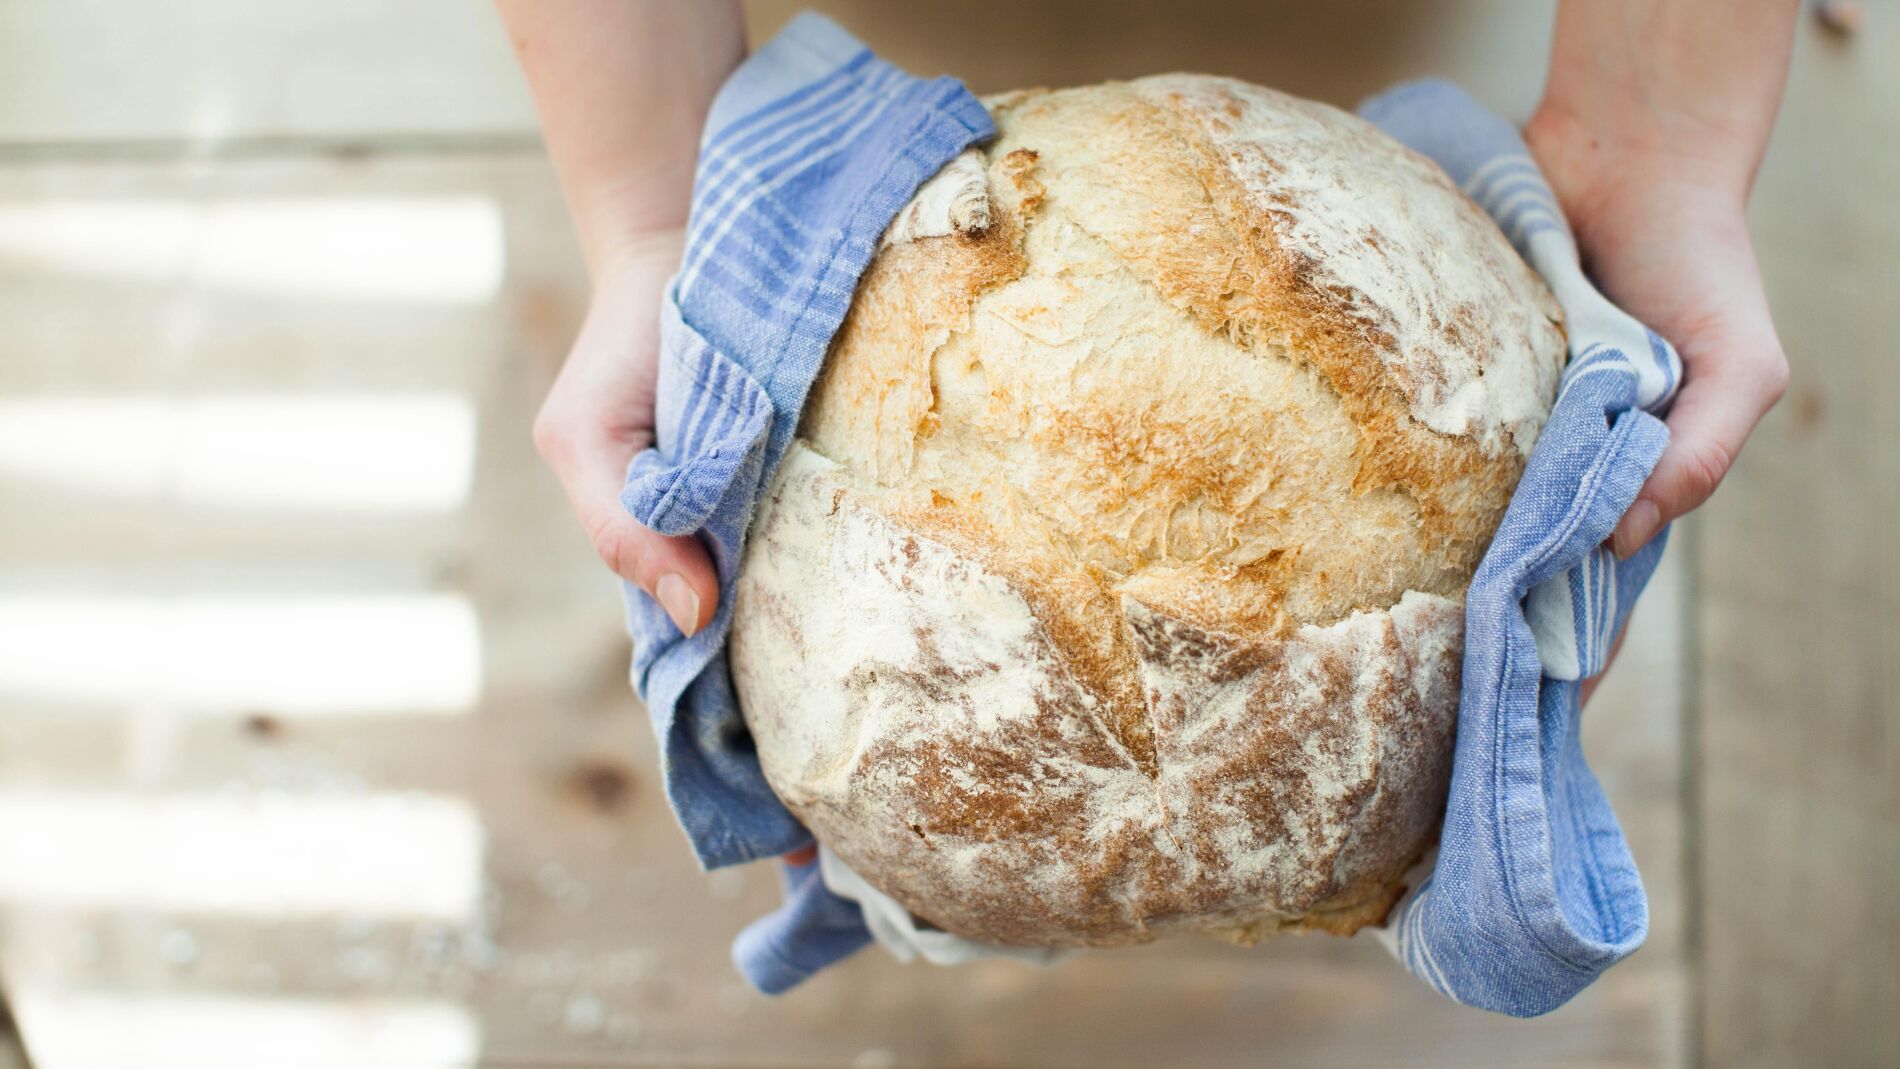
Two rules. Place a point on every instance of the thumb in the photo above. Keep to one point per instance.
(673, 570)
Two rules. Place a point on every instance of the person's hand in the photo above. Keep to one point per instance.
(1670, 247)
(1654, 118)
(599, 413)
(622, 91)
(1662, 232)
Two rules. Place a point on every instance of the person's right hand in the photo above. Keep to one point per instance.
(599, 413)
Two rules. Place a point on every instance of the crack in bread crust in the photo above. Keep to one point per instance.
(1298, 777)
(1112, 586)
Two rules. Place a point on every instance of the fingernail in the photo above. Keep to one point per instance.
(1635, 530)
(677, 598)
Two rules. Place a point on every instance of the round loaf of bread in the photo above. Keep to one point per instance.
(1113, 584)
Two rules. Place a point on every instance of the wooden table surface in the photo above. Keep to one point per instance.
(281, 287)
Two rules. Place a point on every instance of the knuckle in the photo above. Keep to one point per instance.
(1704, 462)
(1775, 375)
(618, 544)
(550, 437)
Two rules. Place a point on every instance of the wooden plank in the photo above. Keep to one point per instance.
(1798, 739)
(1337, 52)
(210, 72)
(598, 942)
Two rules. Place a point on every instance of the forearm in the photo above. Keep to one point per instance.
(1693, 81)
(622, 88)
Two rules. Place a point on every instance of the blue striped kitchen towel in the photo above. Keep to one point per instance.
(811, 149)
(1534, 893)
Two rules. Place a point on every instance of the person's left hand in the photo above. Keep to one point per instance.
(1671, 247)
(1666, 240)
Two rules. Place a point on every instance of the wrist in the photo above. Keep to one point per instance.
(1687, 89)
(633, 257)
(1593, 161)
(632, 217)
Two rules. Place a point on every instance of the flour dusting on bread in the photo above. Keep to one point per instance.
(1363, 210)
(1113, 584)
(958, 759)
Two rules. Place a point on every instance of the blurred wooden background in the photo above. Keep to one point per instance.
(184, 191)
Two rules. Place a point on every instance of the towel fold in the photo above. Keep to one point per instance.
(812, 148)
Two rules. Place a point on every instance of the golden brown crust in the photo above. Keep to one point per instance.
(1127, 599)
(956, 761)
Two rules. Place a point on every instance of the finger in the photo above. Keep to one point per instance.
(674, 570)
(1717, 410)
